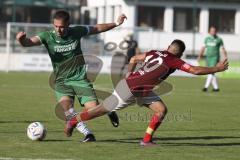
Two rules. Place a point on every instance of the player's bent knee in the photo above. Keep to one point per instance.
(66, 103)
(165, 110)
(111, 103)
(160, 109)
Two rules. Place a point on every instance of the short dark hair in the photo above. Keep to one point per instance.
(61, 14)
(180, 44)
(212, 27)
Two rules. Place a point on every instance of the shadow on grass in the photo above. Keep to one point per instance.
(203, 144)
(56, 140)
(196, 138)
(162, 141)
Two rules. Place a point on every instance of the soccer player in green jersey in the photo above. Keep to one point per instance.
(64, 48)
(212, 45)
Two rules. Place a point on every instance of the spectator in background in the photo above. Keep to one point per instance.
(132, 47)
(132, 50)
(212, 45)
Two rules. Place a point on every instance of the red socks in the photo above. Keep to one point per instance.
(73, 121)
(153, 125)
(83, 116)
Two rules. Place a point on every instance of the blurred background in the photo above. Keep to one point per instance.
(153, 24)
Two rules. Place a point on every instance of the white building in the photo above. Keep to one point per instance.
(161, 21)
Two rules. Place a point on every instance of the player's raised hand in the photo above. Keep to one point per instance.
(223, 65)
(20, 35)
(27, 42)
(121, 19)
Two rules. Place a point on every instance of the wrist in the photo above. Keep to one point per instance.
(117, 23)
(218, 69)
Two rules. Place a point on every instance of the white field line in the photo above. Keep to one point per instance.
(11, 158)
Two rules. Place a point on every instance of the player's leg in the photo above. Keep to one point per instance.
(215, 83)
(210, 63)
(109, 104)
(120, 99)
(67, 103)
(153, 102)
(88, 98)
(86, 115)
(65, 98)
(112, 115)
(160, 110)
(82, 127)
(208, 82)
(214, 79)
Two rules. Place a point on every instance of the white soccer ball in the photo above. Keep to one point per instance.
(36, 131)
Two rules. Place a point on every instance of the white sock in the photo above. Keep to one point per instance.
(214, 82)
(72, 111)
(82, 127)
(208, 81)
(69, 113)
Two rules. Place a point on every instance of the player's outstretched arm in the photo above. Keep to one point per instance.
(198, 70)
(27, 42)
(98, 28)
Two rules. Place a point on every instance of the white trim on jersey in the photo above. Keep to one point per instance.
(39, 39)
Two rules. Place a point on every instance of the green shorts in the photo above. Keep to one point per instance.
(82, 89)
(212, 61)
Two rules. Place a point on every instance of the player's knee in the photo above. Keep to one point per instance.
(66, 103)
(111, 103)
(161, 111)
(164, 111)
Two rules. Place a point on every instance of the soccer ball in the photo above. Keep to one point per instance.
(36, 131)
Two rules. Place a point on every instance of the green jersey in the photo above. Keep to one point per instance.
(213, 45)
(65, 53)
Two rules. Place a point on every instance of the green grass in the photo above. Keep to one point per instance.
(199, 125)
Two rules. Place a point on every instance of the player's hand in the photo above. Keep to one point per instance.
(20, 36)
(121, 19)
(223, 65)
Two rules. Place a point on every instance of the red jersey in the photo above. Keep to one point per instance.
(158, 65)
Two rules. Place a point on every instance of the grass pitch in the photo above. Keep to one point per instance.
(198, 125)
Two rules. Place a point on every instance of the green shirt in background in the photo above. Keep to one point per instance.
(212, 45)
(65, 53)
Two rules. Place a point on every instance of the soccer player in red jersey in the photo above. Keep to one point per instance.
(138, 86)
